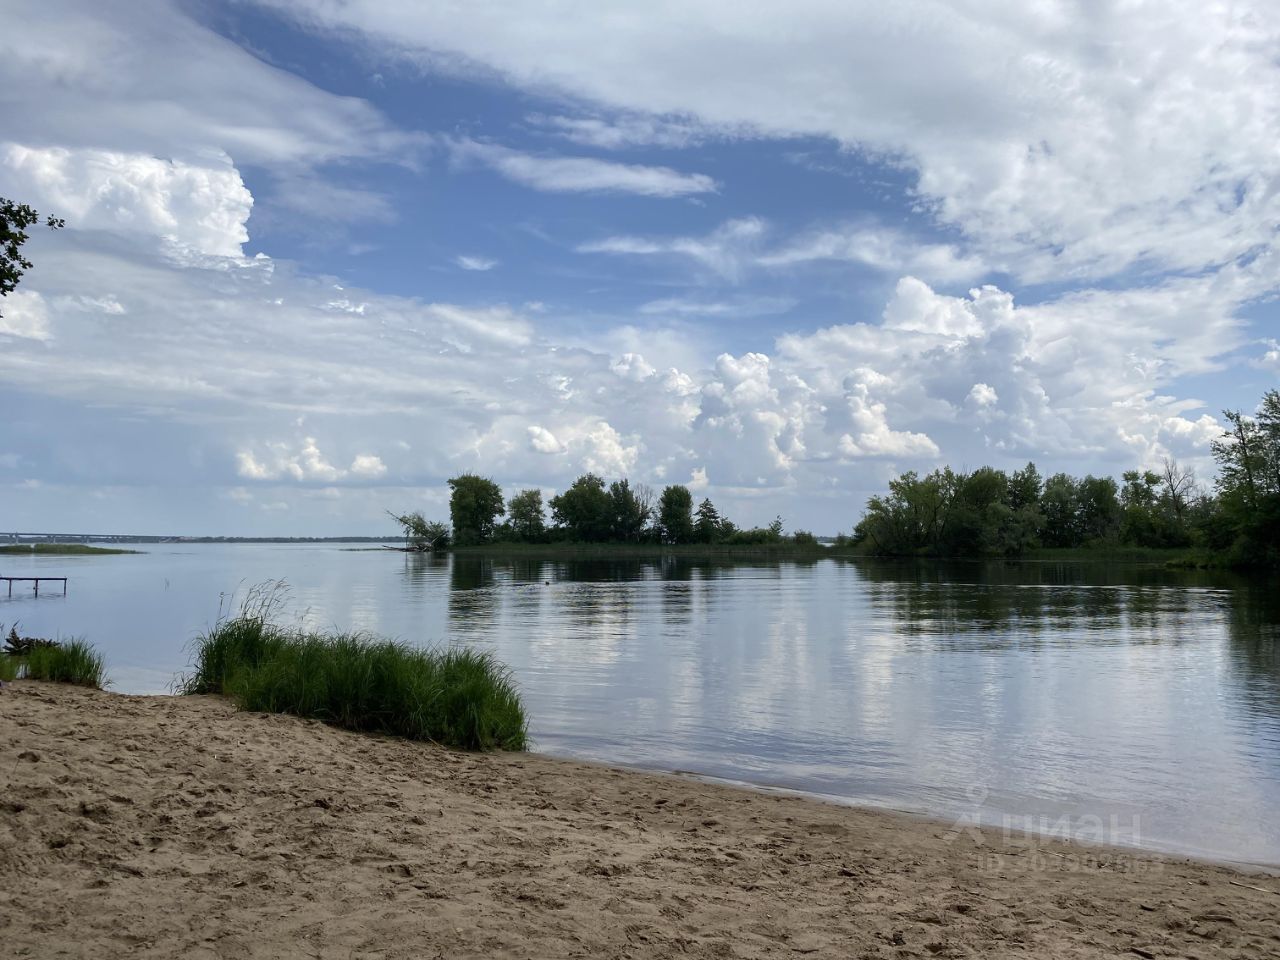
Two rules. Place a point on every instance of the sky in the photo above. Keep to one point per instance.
(322, 255)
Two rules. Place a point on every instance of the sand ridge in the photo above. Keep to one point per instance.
(167, 827)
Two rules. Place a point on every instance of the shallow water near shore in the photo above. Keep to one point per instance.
(1116, 704)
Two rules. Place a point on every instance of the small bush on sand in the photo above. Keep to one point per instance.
(73, 661)
(460, 698)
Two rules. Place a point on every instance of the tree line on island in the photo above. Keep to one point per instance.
(991, 513)
(589, 511)
(946, 513)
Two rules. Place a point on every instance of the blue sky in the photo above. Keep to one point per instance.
(321, 256)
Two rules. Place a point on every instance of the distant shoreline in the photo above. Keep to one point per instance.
(26, 539)
(1176, 558)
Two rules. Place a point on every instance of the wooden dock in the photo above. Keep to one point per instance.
(37, 581)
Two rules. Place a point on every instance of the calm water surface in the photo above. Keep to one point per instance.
(1134, 705)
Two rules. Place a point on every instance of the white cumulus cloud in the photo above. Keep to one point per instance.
(25, 314)
(368, 465)
(204, 208)
(983, 395)
(544, 441)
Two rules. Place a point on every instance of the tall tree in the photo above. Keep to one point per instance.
(1025, 487)
(524, 511)
(630, 514)
(1060, 505)
(709, 524)
(1140, 522)
(1248, 457)
(1099, 508)
(15, 218)
(1240, 456)
(675, 514)
(1269, 421)
(585, 510)
(912, 516)
(1179, 487)
(474, 506)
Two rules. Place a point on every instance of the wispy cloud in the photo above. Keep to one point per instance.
(560, 174)
(624, 131)
(312, 197)
(735, 246)
(474, 263)
(881, 248)
(735, 307)
(723, 250)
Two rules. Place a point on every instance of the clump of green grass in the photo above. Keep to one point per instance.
(232, 646)
(8, 668)
(73, 661)
(460, 698)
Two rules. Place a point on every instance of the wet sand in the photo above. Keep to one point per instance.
(167, 827)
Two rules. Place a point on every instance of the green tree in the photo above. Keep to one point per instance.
(422, 534)
(1060, 506)
(584, 511)
(709, 524)
(1241, 457)
(630, 512)
(1020, 529)
(1100, 512)
(1141, 523)
(1248, 456)
(675, 514)
(524, 512)
(1025, 488)
(474, 506)
(15, 218)
(973, 512)
(910, 517)
(1269, 421)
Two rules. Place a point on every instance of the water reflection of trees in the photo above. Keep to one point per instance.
(997, 604)
(420, 568)
(519, 590)
(1254, 624)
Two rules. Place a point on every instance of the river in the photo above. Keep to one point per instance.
(1125, 704)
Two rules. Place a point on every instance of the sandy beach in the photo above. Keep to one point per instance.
(167, 827)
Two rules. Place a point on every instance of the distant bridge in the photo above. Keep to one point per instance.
(82, 538)
(151, 538)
